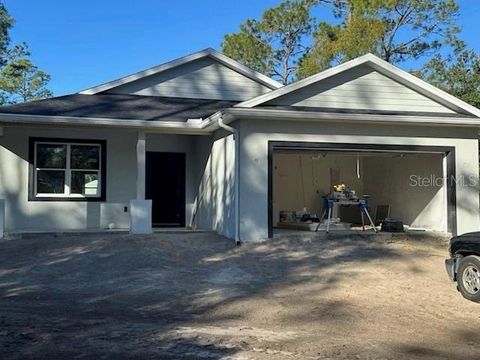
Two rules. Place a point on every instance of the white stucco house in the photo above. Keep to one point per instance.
(203, 141)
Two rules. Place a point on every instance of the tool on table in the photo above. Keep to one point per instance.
(342, 195)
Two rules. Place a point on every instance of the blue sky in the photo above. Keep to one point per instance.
(84, 43)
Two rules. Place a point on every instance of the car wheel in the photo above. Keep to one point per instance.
(468, 278)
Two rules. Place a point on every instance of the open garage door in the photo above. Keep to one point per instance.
(414, 184)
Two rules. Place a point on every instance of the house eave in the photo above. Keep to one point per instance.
(210, 124)
(232, 114)
(192, 126)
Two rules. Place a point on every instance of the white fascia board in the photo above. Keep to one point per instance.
(192, 126)
(210, 124)
(384, 68)
(232, 114)
(232, 64)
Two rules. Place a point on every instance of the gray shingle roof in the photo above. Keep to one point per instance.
(119, 106)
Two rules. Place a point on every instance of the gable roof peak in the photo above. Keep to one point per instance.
(383, 67)
(208, 52)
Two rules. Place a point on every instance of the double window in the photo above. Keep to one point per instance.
(72, 169)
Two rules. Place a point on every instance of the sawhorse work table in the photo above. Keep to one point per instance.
(330, 203)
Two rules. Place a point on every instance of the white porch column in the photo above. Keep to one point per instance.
(141, 155)
(2, 218)
(141, 209)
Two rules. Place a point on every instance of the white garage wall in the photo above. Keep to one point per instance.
(255, 134)
(387, 181)
(291, 169)
(215, 165)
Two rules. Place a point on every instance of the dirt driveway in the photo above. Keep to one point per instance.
(196, 296)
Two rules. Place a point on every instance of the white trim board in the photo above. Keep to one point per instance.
(232, 114)
(210, 124)
(382, 67)
(191, 127)
(225, 60)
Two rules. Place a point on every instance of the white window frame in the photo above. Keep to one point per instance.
(68, 171)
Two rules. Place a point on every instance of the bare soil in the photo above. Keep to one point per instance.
(197, 296)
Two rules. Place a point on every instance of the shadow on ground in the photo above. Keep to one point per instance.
(198, 296)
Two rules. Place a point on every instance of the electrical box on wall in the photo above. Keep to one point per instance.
(114, 216)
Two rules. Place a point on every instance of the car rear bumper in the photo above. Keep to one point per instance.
(451, 266)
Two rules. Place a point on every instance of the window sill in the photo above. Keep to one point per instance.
(66, 198)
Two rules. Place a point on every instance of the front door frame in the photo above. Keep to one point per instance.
(447, 151)
(182, 222)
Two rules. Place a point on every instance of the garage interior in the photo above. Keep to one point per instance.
(403, 185)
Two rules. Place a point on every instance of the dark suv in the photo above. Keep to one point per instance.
(464, 264)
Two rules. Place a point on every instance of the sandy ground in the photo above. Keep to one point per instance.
(196, 296)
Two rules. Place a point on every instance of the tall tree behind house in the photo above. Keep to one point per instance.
(20, 79)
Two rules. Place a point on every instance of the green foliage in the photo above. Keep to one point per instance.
(335, 43)
(6, 22)
(459, 75)
(273, 44)
(248, 47)
(285, 42)
(395, 30)
(20, 79)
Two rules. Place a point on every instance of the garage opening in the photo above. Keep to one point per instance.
(411, 184)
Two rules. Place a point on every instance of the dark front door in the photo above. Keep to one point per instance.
(165, 186)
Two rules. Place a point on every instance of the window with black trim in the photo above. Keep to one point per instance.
(73, 169)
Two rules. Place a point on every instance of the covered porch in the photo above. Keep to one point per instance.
(146, 180)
